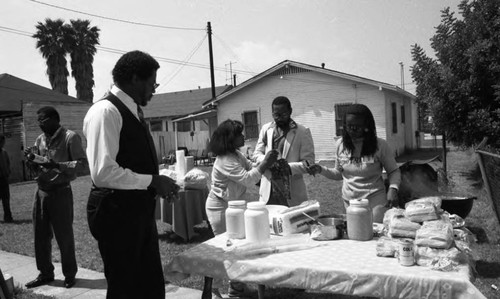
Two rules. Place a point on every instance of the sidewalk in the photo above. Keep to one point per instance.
(89, 284)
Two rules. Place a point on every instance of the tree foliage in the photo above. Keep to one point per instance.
(460, 88)
(55, 40)
(53, 46)
(83, 40)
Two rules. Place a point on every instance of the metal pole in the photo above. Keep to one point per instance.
(211, 56)
(402, 75)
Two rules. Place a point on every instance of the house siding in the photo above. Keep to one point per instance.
(313, 97)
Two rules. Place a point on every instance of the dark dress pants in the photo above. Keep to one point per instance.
(5, 195)
(129, 248)
(53, 216)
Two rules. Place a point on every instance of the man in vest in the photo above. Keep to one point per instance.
(283, 183)
(124, 171)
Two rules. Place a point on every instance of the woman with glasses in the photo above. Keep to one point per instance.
(360, 159)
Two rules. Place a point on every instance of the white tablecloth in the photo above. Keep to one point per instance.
(185, 212)
(342, 267)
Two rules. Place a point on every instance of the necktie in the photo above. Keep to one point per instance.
(140, 114)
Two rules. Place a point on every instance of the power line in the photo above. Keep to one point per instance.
(233, 53)
(121, 52)
(15, 31)
(186, 60)
(117, 20)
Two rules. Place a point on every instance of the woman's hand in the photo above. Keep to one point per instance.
(269, 159)
(314, 169)
(392, 198)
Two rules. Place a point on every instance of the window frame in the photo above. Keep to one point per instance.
(251, 130)
(394, 117)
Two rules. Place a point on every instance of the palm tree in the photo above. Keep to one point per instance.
(82, 42)
(51, 43)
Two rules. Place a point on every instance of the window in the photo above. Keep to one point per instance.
(339, 117)
(204, 125)
(156, 125)
(402, 114)
(184, 126)
(250, 120)
(394, 118)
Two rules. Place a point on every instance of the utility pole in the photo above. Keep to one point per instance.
(402, 75)
(211, 56)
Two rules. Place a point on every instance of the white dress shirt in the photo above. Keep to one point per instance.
(101, 127)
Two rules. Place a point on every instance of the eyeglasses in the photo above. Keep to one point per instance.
(42, 121)
(354, 128)
(155, 86)
(280, 115)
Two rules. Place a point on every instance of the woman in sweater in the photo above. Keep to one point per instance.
(232, 173)
(360, 160)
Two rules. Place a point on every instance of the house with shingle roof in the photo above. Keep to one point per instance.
(319, 96)
(19, 102)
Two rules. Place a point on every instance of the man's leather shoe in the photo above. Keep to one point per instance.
(69, 282)
(39, 281)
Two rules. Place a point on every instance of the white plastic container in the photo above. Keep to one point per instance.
(359, 220)
(235, 219)
(256, 222)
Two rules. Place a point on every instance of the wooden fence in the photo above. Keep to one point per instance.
(490, 170)
(165, 141)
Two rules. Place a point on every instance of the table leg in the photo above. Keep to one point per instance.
(261, 289)
(207, 288)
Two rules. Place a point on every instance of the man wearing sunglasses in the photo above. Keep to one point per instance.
(283, 184)
(63, 157)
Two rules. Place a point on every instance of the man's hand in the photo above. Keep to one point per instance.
(165, 186)
(392, 198)
(50, 165)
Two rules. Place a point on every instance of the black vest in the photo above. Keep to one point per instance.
(137, 151)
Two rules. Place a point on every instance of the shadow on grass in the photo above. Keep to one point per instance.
(480, 234)
(202, 234)
(23, 221)
(488, 269)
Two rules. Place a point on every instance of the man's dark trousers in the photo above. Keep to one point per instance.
(129, 246)
(53, 216)
(5, 196)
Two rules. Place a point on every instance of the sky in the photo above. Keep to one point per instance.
(367, 38)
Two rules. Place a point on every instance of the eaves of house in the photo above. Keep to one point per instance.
(14, 91)
(180, 103)
(290, 66)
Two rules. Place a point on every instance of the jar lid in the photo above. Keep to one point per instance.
(236, 203)
(256, 205)
(359, 202)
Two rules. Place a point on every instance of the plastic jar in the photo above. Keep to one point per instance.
(359, 220)
(235, 219)
(256, 222)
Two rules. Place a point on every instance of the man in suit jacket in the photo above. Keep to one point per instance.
(283, 183)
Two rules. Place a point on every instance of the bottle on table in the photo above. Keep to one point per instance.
(359, 220)
(235, 219)
(257, 222)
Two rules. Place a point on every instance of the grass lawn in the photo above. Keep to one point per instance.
(18, 237)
